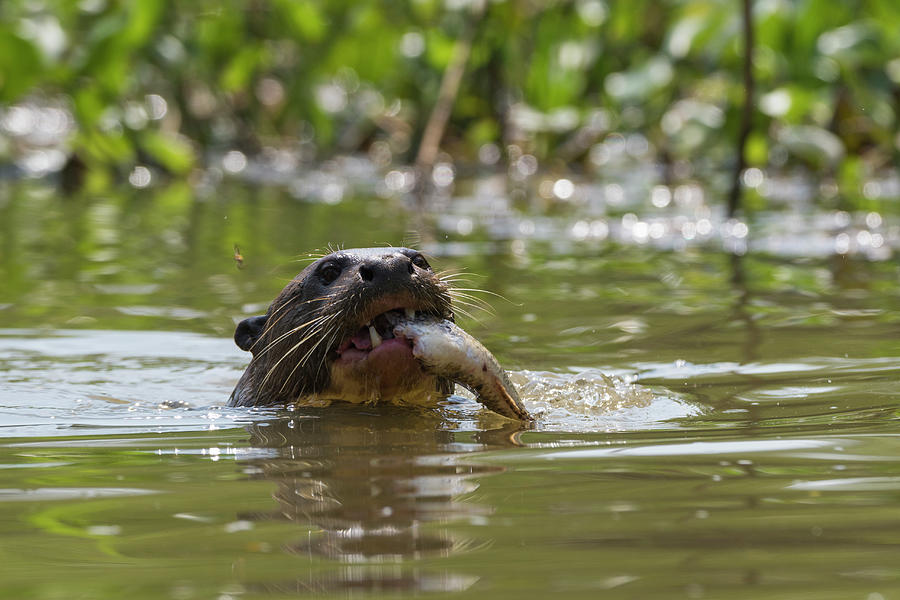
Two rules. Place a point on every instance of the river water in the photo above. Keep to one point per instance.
(718, 414)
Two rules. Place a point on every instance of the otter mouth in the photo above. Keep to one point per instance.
(372, 363)
(377, 336)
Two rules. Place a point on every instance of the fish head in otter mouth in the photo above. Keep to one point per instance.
(329, 333)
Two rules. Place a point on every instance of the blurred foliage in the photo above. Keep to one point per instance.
(169, 84)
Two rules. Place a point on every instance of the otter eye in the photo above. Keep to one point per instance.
(329, 272)
(420, 262)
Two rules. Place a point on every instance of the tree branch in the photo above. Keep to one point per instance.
(734, 197)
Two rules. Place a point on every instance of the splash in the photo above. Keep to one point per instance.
(590, 400)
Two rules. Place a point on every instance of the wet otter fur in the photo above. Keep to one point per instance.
(327, 336)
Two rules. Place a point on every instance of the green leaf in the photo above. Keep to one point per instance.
(304, 18)
(239, 72)
(111, 148)
(171, 151)
(20, 66)
(438, 49)
(757, 149)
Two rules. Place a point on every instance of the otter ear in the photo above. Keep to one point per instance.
(248, 331)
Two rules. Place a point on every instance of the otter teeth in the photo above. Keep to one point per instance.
(373, 335)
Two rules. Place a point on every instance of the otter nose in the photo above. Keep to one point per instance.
(390, 267)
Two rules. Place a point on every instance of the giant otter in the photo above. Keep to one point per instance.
(327, 336)
(365, 325)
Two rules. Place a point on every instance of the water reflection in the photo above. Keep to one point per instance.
(379, 488)
(385, 579)
(741, 314)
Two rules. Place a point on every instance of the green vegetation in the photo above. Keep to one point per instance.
(168, 84)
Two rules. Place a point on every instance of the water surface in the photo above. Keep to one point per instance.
(745, 444)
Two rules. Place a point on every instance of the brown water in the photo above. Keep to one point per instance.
(712, 425)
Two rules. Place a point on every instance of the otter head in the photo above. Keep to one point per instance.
(328, 335)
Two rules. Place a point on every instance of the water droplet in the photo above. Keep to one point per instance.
(443, 174)
(753, 177)
(592, 12)
(412, 44)
(464, 226)
(580, 230)
(489, 154)
(234, 161)
(140, 177)
(660, 196)
(157, 107)
(563, 189)
(842, 243)
(526, 165)
(873, 220)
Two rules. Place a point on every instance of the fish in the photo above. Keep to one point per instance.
(445, 349)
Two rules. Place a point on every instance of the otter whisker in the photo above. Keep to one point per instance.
(472, 302)
(453, 282)
(274, 368)
(270, 323)
(476, 309)
(457, 276)
(467, 314)
(461, 293)
(331, 342)
(457, 306)
(490, 293)
(320, 325)
(305, 259)
(451, 272)
(321, 331)
(453, 276)
(300, 327)
(309, 353)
